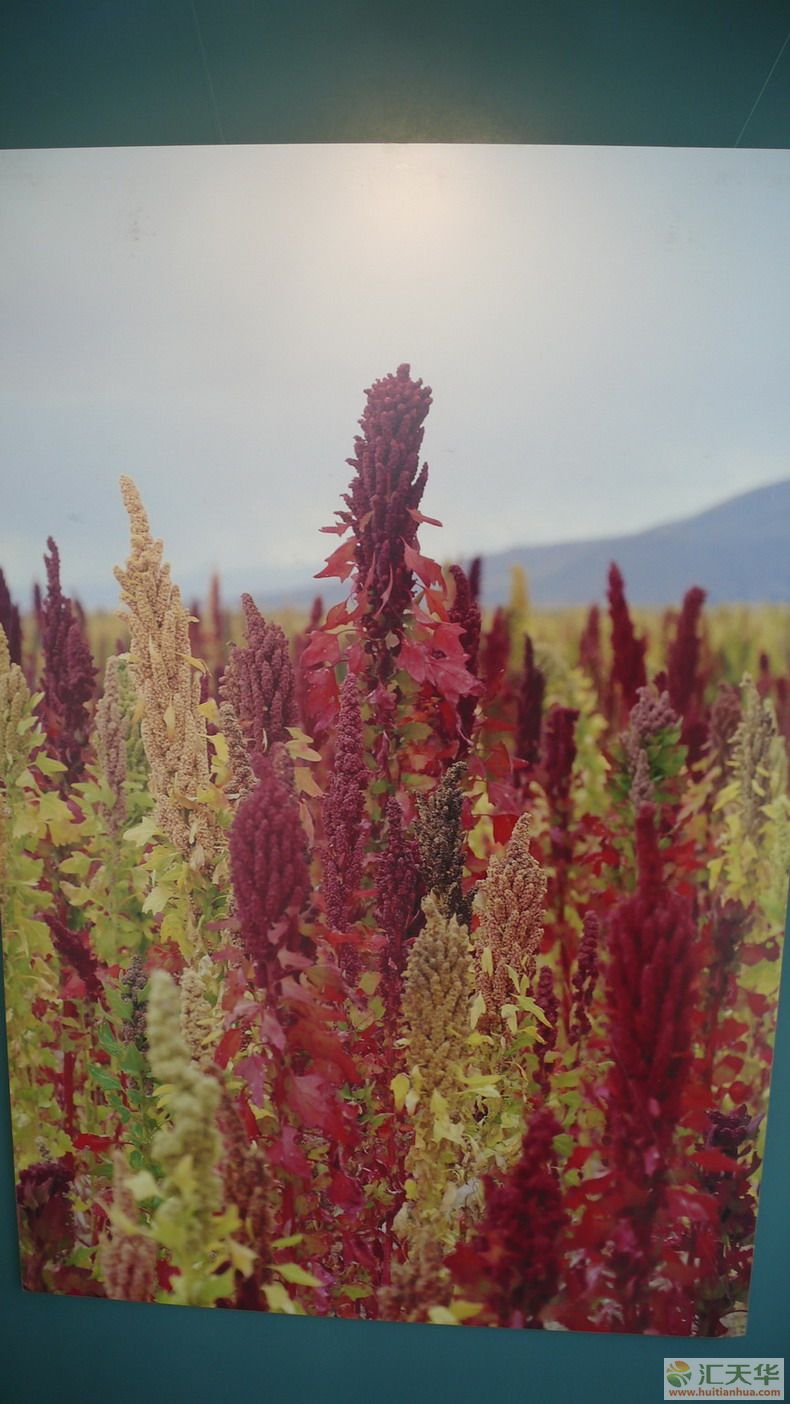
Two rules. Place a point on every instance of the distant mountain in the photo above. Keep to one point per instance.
(738, 551)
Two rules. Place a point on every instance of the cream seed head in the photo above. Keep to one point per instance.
(512, 899)
(172, 727)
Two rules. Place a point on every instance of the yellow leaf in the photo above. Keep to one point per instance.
(300, 746)
(292, 1272)
(220, 747)
(156, 901)
(477, 1008)
(533, 1008)
(440, 1316)
(438, 1103)
(410, 1189)
(370, 981)
(169, 719)
(124, 1224)
(277, 1299)
(143, 1185)
(400, 1086)
(242, 1257)
(487, 960)
(463, 1310)
(305, 781)
(183, 1176)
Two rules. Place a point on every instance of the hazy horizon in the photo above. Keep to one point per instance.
(603, 329)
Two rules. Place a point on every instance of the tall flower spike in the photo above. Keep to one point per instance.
(559, 752)
(513, 1261)
(590, 647)
(529, 706)
(418, 1284)
(651, 714)
(725, 718)
(466, 612)
(384, 496)
(195, 1097)
(238, 757)
(496, 651)
(201, 1025)
(628, 651)
(759, 760)
(14, 706)
(437, 988)
(69, 675)
(259, 681)
(16, 743)
(398, 885)
(512, 899)
(441, 842)
(173, 728)
(649, 995)
(110, 733)
(10, 621)
(683, 661)
(585, 977)
(128, 1259)
(268, 867)
(343, 812)
(475, 578)
(247, 1185)
(190, 1136)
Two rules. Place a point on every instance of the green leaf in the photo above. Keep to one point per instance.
(105, 1079)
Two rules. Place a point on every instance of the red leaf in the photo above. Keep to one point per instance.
(503, 826)
(253, 1070)
(337, 615)
(344, 1191)
(322, 699)
(453, 679)
(716, 1161)
(248, 1117)
(418, 517)
(413, 660)
(97, 1144)
(340, 563)
(228, 1047)
(312, 1099)
(320, 1043)
(286, 1153)
(429, 572)
(322, 648)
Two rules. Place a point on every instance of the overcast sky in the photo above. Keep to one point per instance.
(605, 331)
